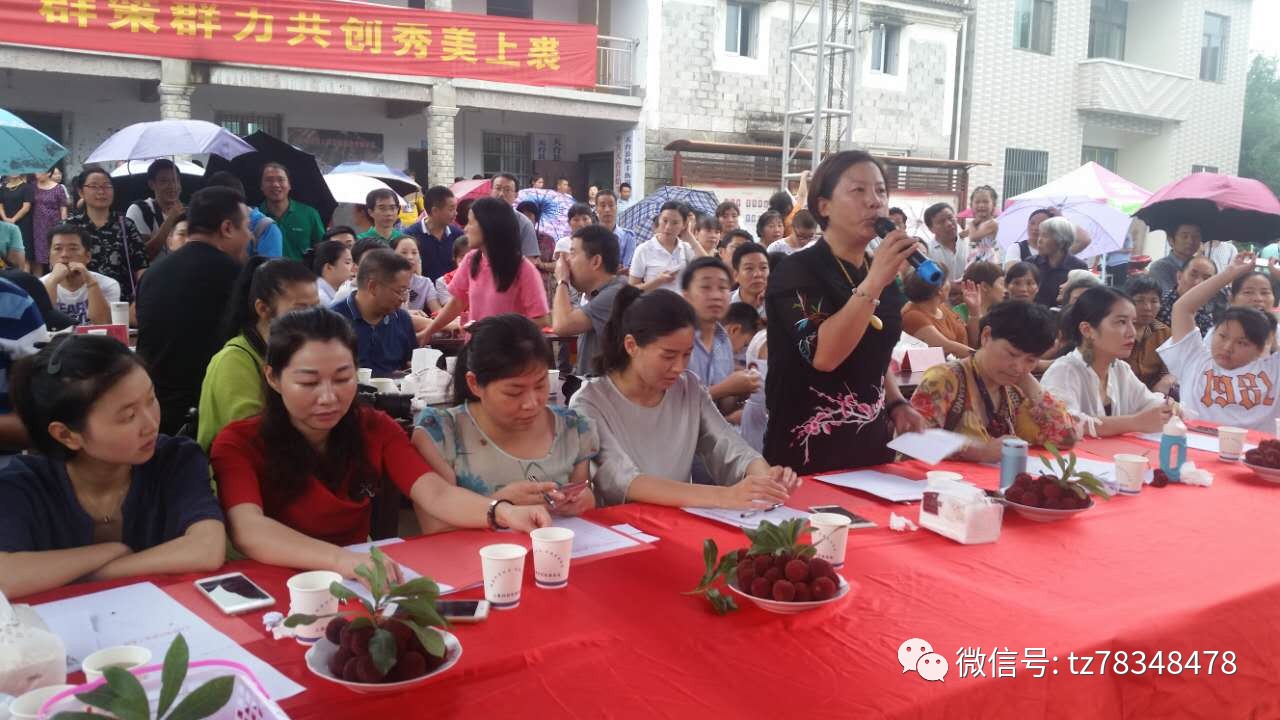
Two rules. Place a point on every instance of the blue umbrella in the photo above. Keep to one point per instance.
(639, 217)
(553, 210)
(396, 179)
(24, 149)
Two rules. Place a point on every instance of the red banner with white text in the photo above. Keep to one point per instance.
(319, 34)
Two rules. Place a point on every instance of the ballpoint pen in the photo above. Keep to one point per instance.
(772, 507)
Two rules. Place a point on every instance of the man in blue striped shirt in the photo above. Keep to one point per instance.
(21, 329)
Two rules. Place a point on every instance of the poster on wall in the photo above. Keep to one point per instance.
(548, 147)
(334, 147)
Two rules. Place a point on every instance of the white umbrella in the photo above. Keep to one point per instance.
(166, 138)
(1107, 226)
(352, 189)
(139, 167)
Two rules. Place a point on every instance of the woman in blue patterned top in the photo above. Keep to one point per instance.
(505, 440)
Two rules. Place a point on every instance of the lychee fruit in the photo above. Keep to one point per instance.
(784, 591)
(773, 575)
(404, 635)
(803, 593)
(410, 665)
(763, 563)
(761, 587)
(819, 567)
(349, 672)
(746, 573)
(823, 588)
(333, 631)
(366, 671)
(357, 641)
(797, 571)
(339, 661)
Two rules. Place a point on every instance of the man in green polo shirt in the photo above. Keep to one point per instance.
(298, 222)
(382, 207)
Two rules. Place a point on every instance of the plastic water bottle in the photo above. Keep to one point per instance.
(1173, 448)
(1013, 461)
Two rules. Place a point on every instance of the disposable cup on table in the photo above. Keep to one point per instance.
(1277, 427)
(121, 656)
(502, 565)
(1131, 473)
(552, 550)
(120, 313)
(385, 386)
(27, 705)
(1231, 443)
(450, 363)
(830, 535)
(309, 595)
(364, 376)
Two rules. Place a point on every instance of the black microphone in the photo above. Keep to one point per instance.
(926, 269)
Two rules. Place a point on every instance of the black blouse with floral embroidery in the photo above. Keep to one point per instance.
(821, 421)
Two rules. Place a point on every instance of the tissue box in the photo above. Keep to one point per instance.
(961, 511)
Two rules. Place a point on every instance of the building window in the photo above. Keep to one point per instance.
(1106, 157)
(1213, 47)
(884, 48)
(243, 124)
(741, 20)
(510, 8)
(1107, 23)
(1033, 26)
(1204, 168)
(1024, 170)
(506, 154)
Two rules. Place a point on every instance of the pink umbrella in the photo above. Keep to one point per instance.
(471, 189)
(1224, 206)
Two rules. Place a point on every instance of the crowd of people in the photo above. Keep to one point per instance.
(713, 366)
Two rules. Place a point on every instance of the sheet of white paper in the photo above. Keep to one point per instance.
(752, 518)
(1197, 441)
(634, 532)
(142, 614)
(930, 447)
(592, 539)
(893, 488)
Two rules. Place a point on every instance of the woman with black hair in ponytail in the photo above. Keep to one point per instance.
(1093, 380)
(504, 439)
(654, 418)
(232, 387)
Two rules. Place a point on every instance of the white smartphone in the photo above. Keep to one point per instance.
(463, 611)
(234, 593)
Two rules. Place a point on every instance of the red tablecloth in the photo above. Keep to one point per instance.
(1178, 568)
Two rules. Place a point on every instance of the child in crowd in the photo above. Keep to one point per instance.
(706, 286)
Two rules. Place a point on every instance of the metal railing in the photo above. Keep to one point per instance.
(615, 64)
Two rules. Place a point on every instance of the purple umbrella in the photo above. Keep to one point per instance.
(553, 210)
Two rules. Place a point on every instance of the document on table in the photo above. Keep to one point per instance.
(634, 532)
(747, 519)
(143, 614)
(1195, 441)
(592, 539)
(931, 446)
(406, 572)
(893, 488)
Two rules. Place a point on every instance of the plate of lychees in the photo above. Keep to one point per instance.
(1264, 460)
(394, 642)
(1049, 497)
(778, 573)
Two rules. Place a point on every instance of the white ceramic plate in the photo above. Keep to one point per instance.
(1046, 514)
(1266, 473)
(320, 653)
(791, 608)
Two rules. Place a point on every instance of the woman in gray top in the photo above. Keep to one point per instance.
(653, 416)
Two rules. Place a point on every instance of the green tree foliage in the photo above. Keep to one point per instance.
(1260, 141)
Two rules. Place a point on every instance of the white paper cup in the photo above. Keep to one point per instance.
(27, 706)
(364, 376)
(1231, 442)
(385, 385)
(121, 656)
(1277, 427)
(309, 595)
(943, 475)
(120, 313)
(503, 568)
(553, 385)
(830, 534)
(552, 550)
(1131, 473)
(450, 363)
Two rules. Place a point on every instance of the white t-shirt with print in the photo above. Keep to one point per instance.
(1244, 397)
(651, 260)
(75, 303)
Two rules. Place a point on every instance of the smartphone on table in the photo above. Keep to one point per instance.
(463, 611)
(234, 593)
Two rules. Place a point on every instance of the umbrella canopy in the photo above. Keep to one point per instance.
(1224, 206)
(394, 179)
(305, 179)
(130, 181)
(352, 188)
(639, 217)
(165, 138)
(471, 189)
(24, 149)
(1107, 226)
(1094, 182)
(553, 209)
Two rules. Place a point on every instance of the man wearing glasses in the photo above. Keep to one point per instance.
(384, 330)
(382, 206)
(299, 222)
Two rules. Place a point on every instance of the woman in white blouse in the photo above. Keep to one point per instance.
(1098, 387)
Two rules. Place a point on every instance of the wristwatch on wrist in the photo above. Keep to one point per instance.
(492, 515)
(894, 405)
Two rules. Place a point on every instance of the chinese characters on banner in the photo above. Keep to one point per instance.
(314, 34)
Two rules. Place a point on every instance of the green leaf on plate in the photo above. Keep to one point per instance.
(382, 648)
(431, 640)
(174, 673)
(131, 700)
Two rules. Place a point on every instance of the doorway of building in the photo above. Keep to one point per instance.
(420, 167)
(599, 167)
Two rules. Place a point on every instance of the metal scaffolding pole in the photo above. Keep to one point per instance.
(821, 80)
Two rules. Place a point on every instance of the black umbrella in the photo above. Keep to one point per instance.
(305, 179)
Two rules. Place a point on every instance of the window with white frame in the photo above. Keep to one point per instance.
(884, 48)
(741, 24)
(1213, 47)
(1106, 157)
(1204, 168)
(506, 154)
(1108, 22)
(243, 124)
(1033, 25)
(1024, 170)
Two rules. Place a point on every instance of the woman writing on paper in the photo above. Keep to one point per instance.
(993, 394)
(832, 402)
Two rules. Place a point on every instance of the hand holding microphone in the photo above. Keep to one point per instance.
(926, 269)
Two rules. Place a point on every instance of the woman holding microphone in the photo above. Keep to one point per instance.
(836, 316)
